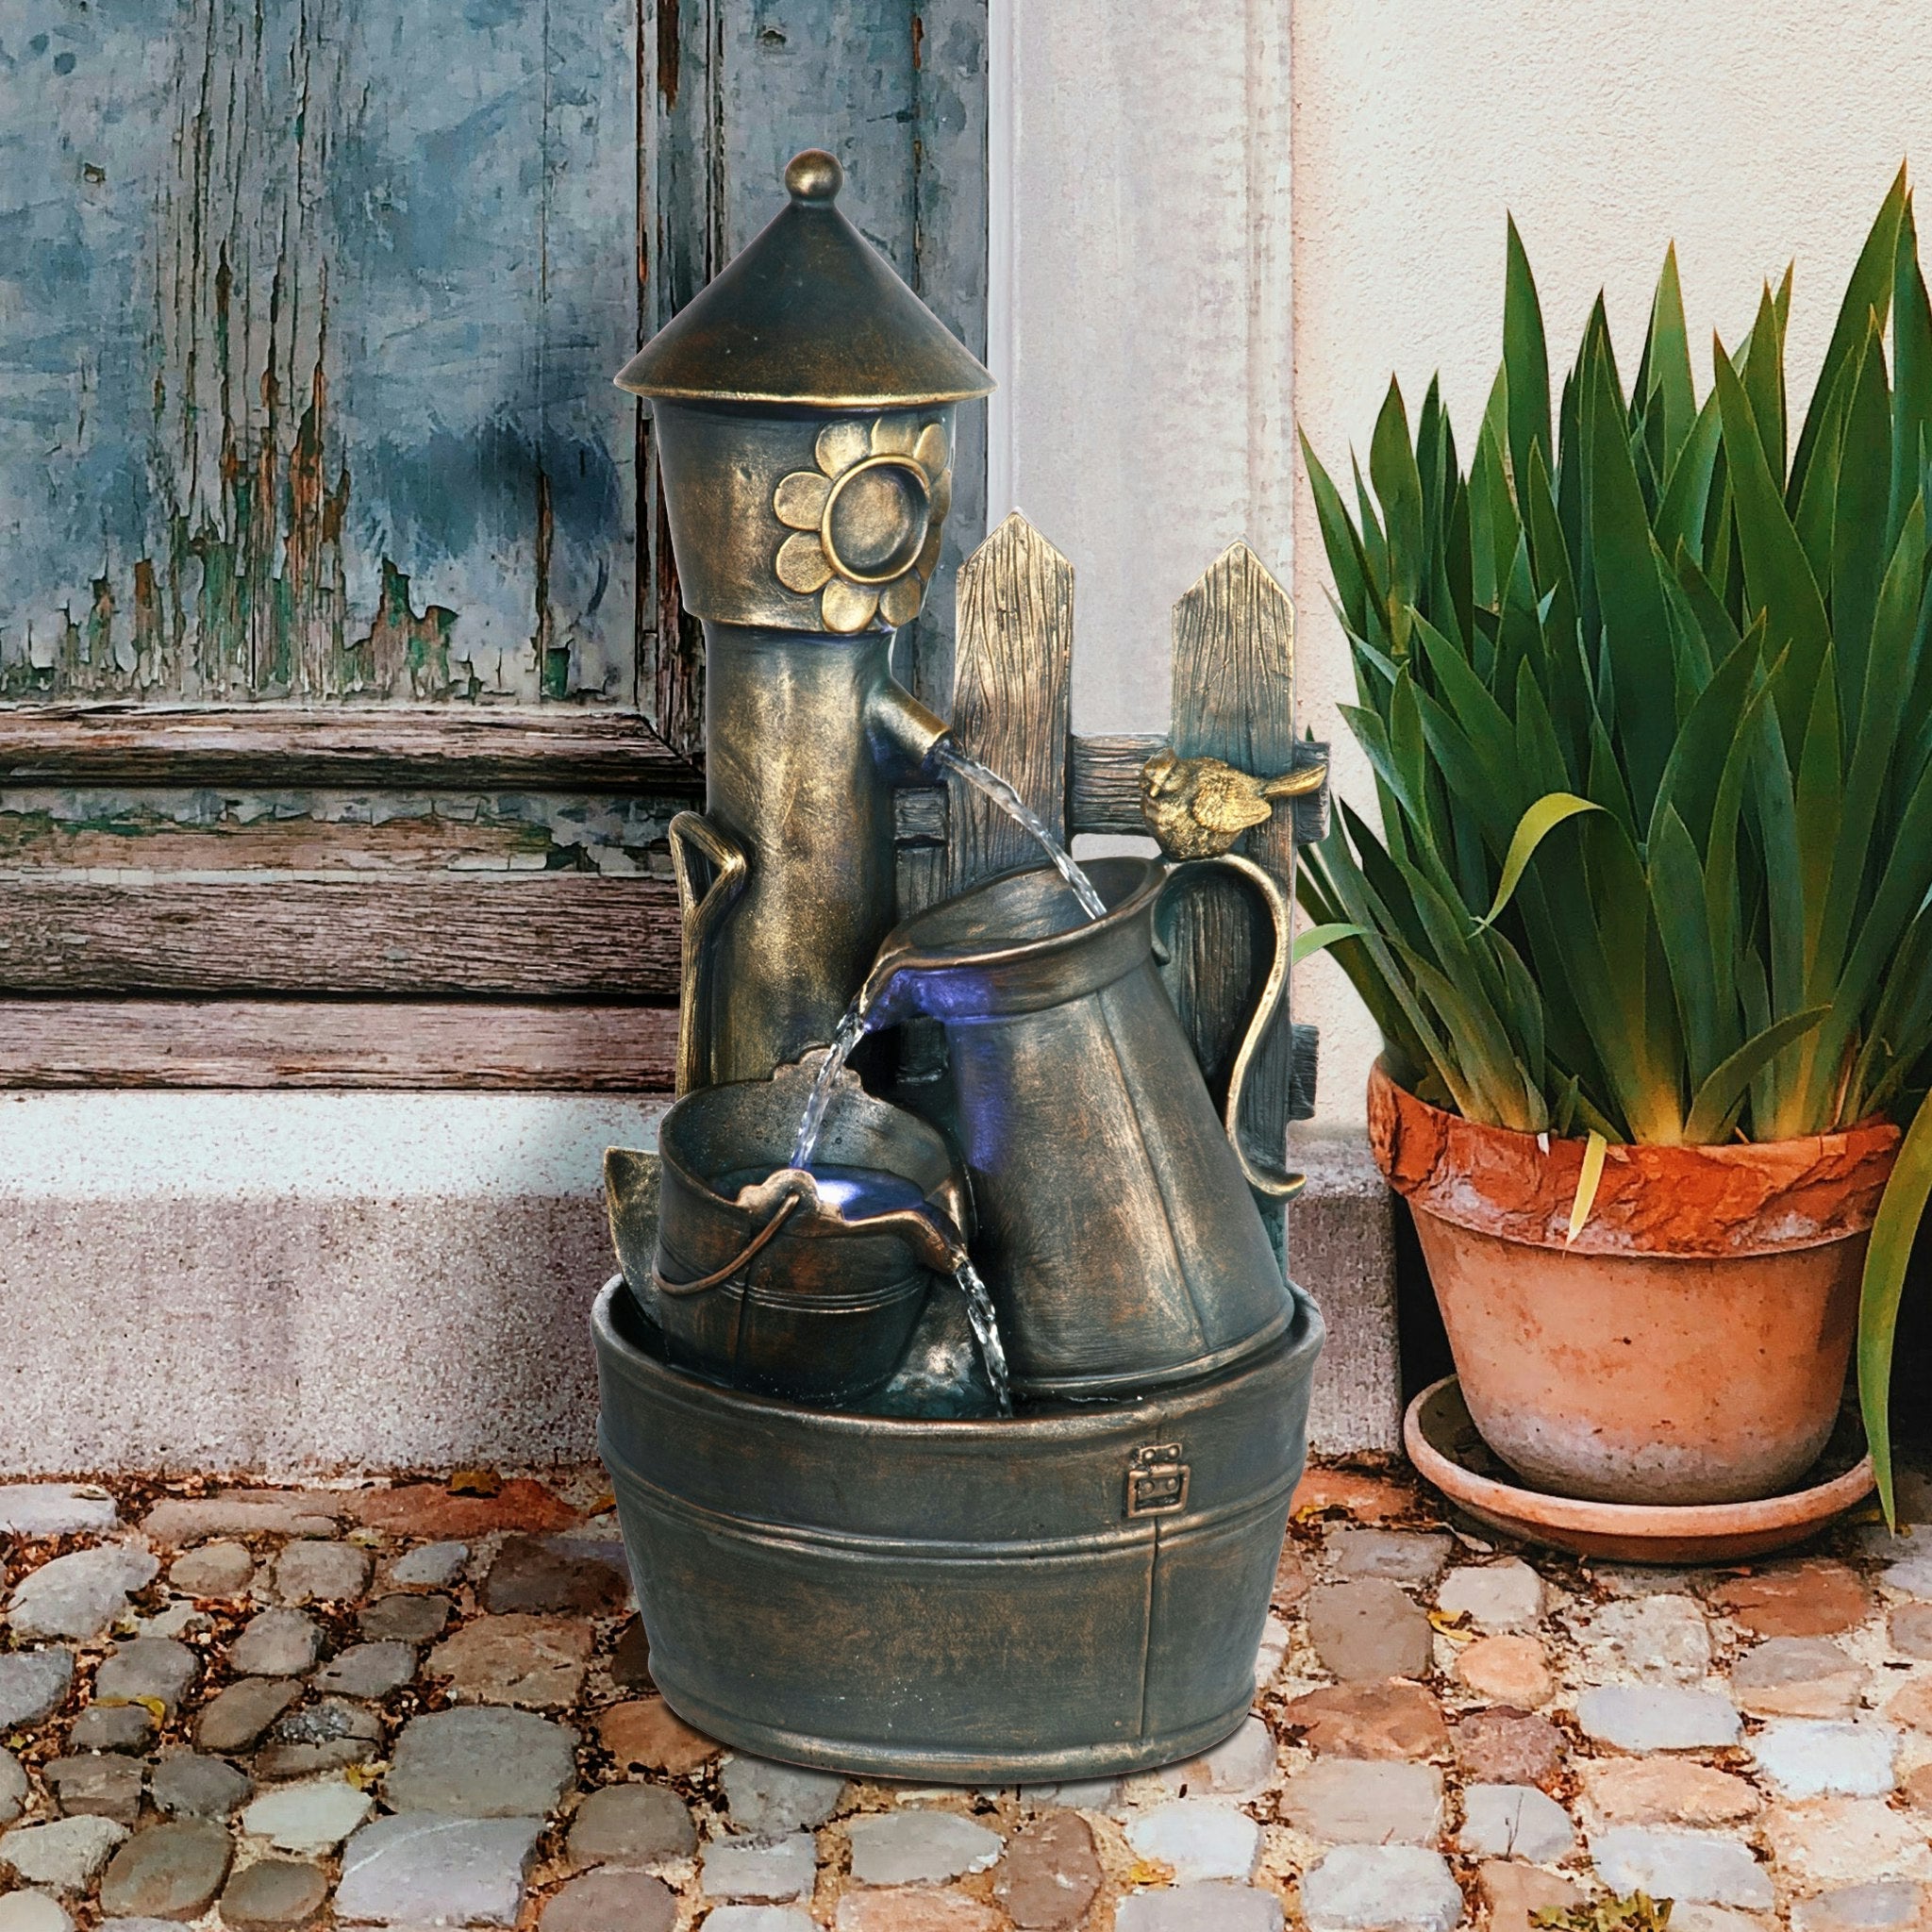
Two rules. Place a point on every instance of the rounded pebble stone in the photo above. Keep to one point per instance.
(13, 1788)
(145, 1667)
(1503, 1746)
(1911, 1630)
(776, 1798)
(64, 1854)
(1368, 1629)
(599, 1901)
(222, 1569)
(632, 1824)
(481, 1763)
(314, 1815)
(81, 1593)
(274, 1893)
(430, 1565)
(32, 1683)
(914, 1846)
(33, 1911)
(170, 1871)
(1050, 1872)
(307, 1573)
(112, 1727)
(98, 1785)
(403, 1618)
(1199, 1837)
(277, 1643)
(236, 1717)
(190, 1784)
(368, 1670)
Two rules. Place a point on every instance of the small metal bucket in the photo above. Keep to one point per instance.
(773, 1279)
(1069, 1594)
(1116, 1227)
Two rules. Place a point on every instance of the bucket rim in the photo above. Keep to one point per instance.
(1304, 1338)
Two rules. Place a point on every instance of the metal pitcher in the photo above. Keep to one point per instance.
(1116, 1227)
(805, 1286)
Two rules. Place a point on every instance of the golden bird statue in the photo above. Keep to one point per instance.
(1197, 807)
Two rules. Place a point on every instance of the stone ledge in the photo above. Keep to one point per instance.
(1342, 1249)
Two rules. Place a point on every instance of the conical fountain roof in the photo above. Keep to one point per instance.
(809, 313)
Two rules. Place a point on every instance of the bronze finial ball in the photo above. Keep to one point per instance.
(812, 175)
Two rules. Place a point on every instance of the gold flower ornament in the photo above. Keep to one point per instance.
(866, 523)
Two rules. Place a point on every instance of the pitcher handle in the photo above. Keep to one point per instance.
(704, 911)
(1279, 1185)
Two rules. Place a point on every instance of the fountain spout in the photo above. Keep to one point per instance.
(804, 411)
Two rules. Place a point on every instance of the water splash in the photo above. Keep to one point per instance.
(985, 1331)
(983, 778)
(851, 1030)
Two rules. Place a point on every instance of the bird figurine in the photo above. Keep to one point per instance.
(1198, 807)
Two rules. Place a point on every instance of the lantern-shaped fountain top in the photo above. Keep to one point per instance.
(775, 523)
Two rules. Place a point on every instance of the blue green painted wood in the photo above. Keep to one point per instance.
(309, 309)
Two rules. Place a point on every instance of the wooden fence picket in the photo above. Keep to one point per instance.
(1013, 694)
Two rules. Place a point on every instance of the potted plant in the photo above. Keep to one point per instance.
(1647, 926)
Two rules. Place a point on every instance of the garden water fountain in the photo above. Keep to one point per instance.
(851, 1545)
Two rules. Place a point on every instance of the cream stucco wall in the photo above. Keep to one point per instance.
(1165, 219)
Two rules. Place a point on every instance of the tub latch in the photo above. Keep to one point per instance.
(1156, 1480)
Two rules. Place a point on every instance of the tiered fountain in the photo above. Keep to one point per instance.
(953, 1421)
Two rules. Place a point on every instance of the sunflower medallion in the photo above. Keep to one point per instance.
(866, 523)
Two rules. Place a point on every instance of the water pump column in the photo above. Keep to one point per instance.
(803, 409)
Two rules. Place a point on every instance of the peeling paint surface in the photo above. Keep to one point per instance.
(307, 315)
(132, 835)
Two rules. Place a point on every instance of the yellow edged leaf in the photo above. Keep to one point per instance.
(1532, 828)
(1587, 1184)
(475, 1482)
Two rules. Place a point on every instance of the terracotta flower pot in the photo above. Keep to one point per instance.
(1689, 1346)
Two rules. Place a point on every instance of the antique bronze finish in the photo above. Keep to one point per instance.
(1116, 1226)
(1076, 1592)
(845, 1554)
(773, 1284)
(1199, 808)
(803, 410)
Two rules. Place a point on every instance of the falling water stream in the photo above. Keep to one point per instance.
(855, 1023)
(1001, 791)
(849, 1032)
(985, 1331)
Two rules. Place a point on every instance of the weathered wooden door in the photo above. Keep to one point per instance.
(343, 695)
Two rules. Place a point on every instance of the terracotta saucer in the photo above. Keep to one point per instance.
(1444, 1445)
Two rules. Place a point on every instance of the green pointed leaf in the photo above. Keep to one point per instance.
(1525, 357)
(1858, 547)
(1676, 897)
(1818, 501)
(1820, 800)
(1911, 396)
(1399, 490)
(1346, 562)
(1869, 288)
(1900, 1213)
(1667, 361)
(1681, 515)
(1778, 579)
(1720, 1095)
(1762, 369)
(1318, 938)
(1636, 626)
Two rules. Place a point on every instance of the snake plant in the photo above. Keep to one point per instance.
(1647, 694)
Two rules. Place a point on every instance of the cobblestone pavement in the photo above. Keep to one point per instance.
(414, 1705)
